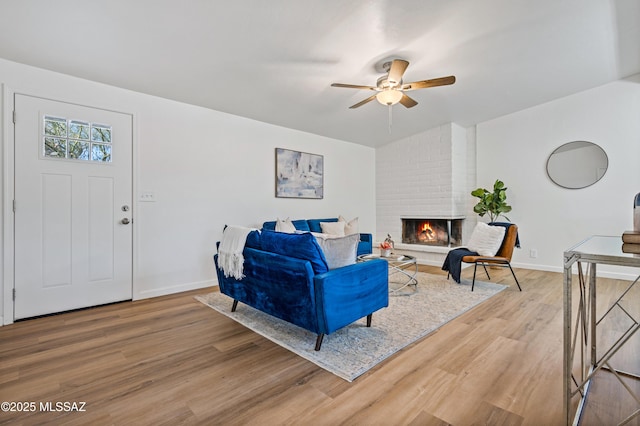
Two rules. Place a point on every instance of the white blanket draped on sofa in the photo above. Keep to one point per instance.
(230, 259)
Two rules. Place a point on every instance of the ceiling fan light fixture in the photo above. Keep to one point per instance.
(390, 87)
(389, 97)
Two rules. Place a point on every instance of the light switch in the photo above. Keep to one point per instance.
(147, 197)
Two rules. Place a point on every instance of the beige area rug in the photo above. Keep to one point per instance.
(354, 349)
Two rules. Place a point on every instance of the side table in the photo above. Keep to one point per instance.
(404, 266)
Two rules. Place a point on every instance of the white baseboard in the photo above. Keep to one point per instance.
(146, 294)
(159, 292)
(546, 268)
(604, 274)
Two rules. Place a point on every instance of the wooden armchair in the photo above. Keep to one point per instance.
(502, 257)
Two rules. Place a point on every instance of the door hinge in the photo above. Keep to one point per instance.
(14, 294)
(14, 117)
(14, 206)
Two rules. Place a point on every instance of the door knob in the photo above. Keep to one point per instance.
(124, 221)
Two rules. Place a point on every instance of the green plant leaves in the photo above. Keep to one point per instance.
(492, 203)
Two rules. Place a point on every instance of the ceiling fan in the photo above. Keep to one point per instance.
(391, 88)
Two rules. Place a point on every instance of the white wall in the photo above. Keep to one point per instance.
(515, 148)
(207, 169)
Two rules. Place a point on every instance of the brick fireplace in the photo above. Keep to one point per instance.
(429, 175)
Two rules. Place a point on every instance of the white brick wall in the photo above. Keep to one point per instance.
(425, 175)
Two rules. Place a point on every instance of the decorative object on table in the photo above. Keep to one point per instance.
(636, 213)
(299, 174)
(492, 203)
(631, 242)
(631, 248)
(386, 246)
(355, 349)
(631, 239)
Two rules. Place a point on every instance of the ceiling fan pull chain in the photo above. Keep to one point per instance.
(390, 119)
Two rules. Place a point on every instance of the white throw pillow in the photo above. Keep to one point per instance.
(350, 227)
(335, 229)
(486, 239)
(285, 226)
(340, 251)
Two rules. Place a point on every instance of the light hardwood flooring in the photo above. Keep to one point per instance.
(171, 360)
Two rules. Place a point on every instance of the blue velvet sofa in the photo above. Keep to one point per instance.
(286, 275)
(313, 225)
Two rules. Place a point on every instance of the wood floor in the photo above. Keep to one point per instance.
(171, 360)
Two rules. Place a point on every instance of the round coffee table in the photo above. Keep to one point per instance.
(403, 266)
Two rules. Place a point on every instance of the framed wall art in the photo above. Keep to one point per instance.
(299, 174)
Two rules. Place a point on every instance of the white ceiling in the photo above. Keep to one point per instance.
(274, 61)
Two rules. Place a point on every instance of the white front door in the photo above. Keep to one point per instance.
(73, 196)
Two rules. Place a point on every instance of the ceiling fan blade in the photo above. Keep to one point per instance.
(398, 67)
(407, 101)
(359, 104)
(442, 81)
(353, 86)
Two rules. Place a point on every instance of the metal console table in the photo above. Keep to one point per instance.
(583, 359)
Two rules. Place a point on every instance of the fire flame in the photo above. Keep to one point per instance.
(427, 232)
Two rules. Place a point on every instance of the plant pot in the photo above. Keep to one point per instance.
(385, 252)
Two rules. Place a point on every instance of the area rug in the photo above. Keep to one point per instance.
(356, 348)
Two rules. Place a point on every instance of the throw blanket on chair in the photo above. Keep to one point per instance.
(453, 262)
(230, 258)
(506, 225)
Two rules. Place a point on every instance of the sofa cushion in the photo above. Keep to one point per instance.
(341, 251)
(333, 228)
(253, 240)
(301, 246)
(314, 224)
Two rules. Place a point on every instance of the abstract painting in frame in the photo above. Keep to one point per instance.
(299, 174)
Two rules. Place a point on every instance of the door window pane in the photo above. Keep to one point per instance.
(79, 130)
(78, 150)
(76, 140)
(54, 147)
(55, 126)
(101, 152)
(100, 133)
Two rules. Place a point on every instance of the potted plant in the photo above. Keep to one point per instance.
(492, 203)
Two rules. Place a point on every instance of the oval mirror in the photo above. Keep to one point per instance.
(577, 164)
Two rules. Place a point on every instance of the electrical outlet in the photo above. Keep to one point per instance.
(147, 197)
(533, 253)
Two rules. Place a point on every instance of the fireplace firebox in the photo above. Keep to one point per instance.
(434, 232)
